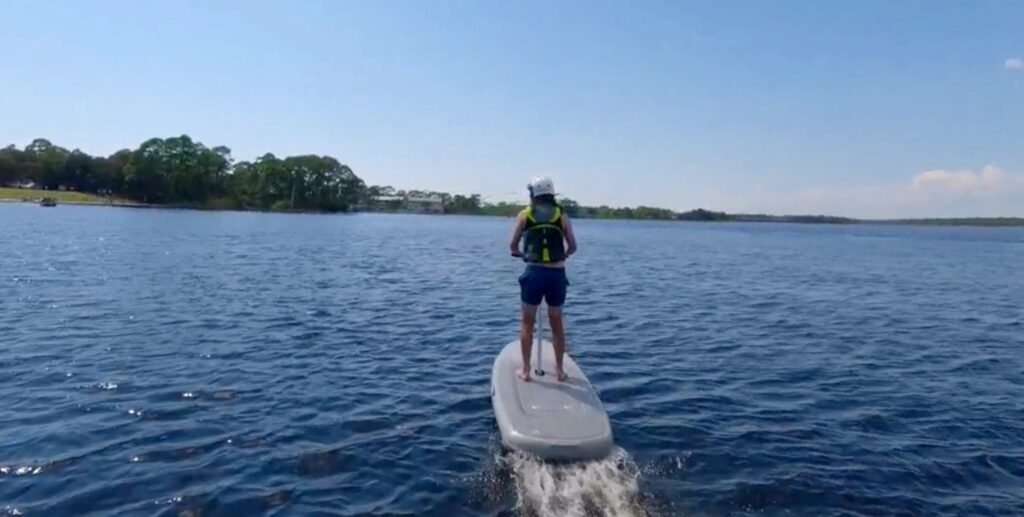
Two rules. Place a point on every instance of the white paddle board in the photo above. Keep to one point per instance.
(544, 417)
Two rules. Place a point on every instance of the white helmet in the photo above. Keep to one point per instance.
(540, 185)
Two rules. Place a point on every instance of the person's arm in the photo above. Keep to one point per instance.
(517, 233)
(570, 237)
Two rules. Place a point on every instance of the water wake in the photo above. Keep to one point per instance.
(607, 487)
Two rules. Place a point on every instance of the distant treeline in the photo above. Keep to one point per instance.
(959, 221)
(806, 219)
(182, 172)
(707, 215)
(473, 204)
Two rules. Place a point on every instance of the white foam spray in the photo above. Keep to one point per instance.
(607, 487)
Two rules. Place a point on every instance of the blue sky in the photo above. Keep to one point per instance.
(870, 109)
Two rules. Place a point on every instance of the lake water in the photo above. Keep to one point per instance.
(161, 362)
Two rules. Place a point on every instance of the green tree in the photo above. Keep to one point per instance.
(44, 162)
(273, 181)
(181, 170)
(322, 183)
(460, 204)
(111, 172)
(176, 170)
(242, 185)
(503, 208)
(11, 159)
(145, 177)
(571, 207)
(79, 172)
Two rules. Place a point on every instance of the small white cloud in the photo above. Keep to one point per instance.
(965, 182)
(988, 192)
(1014, 63)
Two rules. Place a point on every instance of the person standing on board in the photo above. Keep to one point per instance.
(548, 240)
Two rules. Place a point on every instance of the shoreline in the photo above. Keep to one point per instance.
(975, 222)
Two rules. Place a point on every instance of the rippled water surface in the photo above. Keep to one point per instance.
(188, 363)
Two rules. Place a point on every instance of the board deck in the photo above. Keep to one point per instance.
(544, 417)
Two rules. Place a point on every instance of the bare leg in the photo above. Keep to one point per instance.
(558, 335)
(526, 338)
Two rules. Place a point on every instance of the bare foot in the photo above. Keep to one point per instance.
(562, 376)
(524, 375)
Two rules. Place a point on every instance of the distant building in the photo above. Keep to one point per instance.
(425, 205)
(383, 203)
(388, 199)
(419, 205)
(21, 184)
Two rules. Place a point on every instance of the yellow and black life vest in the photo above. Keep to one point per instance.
(543, 236)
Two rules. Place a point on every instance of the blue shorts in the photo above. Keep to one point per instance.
(547, 283)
